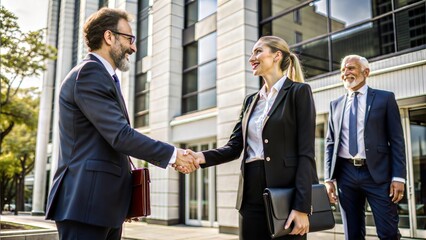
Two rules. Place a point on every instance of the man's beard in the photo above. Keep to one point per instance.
(354, 83)
(118, 55)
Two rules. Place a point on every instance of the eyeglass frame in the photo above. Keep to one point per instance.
(132, 38)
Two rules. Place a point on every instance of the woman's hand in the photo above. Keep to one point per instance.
(301, 223)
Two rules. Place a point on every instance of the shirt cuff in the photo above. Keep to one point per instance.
(173, 158)
(398, 179)
(329, 180)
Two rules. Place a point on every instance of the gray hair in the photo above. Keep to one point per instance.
(362, 60)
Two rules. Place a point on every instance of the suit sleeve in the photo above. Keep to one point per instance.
(95, 96)
(329, 145)
(396, 138)
(233, 148)
(306, 168)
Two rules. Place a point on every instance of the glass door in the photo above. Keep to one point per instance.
(416, 155)
(200, 193)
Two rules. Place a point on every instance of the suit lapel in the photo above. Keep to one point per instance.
(340, 109)
(247, 114)
(120, 98)
(281, 95)
(370, 98)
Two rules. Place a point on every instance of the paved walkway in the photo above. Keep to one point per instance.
(144, 231)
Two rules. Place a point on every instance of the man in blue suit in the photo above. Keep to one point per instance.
(365, 153)
(91, 191)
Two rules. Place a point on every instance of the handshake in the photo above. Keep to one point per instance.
(188, 161)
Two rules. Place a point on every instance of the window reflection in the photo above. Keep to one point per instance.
(418, 152)
(314, 57)
(368, 28)
(207, 49)
(206, 8)
(368, 40)
(411, 27)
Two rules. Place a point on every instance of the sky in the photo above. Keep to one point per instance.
(32, 15)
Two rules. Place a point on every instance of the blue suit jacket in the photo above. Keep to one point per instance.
(93, 181)
(383, 136)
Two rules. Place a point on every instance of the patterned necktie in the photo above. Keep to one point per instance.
(353, 138)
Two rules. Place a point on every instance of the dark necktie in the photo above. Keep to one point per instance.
(353, 138)
(117, 83)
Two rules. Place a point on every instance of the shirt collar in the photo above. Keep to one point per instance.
(362, 90)
(275, 88)
(105, 63)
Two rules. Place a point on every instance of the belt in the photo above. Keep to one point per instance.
(357, 162)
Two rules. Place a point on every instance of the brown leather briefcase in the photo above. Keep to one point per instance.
(140, 205)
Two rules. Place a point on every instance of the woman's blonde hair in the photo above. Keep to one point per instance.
(290, 62)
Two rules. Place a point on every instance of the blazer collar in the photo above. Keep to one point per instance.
(281, 94)
(371, 93)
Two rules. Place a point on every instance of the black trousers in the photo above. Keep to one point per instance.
(253, 223)
(72, 230)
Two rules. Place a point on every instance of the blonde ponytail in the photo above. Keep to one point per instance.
(294, 71)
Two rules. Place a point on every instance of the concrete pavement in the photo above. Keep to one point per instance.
(140, 231)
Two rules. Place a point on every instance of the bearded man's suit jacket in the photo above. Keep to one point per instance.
(288, 138)
(93, 181)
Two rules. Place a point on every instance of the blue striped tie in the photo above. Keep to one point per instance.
(353, 138)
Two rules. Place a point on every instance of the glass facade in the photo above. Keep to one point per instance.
(199, 60)
(141, 107)
(322, 32)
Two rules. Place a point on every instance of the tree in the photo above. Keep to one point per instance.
(22, 55)
(18, 153)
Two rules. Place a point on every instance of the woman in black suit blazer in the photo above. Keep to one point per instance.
(276, 130)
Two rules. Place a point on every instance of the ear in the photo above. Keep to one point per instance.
(108, 37)
(278, 56)
(366, 72)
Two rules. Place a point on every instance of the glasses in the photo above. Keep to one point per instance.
(128, 36)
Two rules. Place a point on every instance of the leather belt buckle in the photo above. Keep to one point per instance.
(358, 162)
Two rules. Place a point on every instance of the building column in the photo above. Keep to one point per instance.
(64, 65)
(45, 114)
(237, 32)
(165, 98)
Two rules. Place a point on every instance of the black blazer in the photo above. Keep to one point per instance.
(288, 142)
(383, 136)
(93, 182)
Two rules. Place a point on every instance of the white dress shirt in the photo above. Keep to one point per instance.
(344, 140)
(256, 121)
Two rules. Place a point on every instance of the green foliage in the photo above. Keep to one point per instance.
(22, 55)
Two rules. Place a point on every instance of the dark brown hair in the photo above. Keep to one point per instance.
(99, 22)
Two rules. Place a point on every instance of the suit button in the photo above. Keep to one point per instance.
(366, 149)
(268, 159)
(266, 140)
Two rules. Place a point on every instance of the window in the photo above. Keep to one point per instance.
(197, 10)
(373, 29)
(141, 101)
(199, 74)
(298, 36)
(142, 29)
(296, 17)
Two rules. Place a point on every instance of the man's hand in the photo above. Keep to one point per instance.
(198, 156)
(331, 191)
(185, 163)
(396, 191)
(301, 223)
